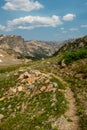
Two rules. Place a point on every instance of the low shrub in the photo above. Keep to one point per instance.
(73, 55)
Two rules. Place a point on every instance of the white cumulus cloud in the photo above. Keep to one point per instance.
(30, 22)
(2, 28)
(73, 29)
(84, 26)
(64, 32)
(62, 28)
(69, 17)
(22, 5)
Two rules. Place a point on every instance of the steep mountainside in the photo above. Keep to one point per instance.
(17, 47)
(72, 45)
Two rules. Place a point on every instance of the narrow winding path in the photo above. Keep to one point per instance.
(69, 121)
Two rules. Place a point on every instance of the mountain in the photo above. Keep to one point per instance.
(42, 95)
(73, 44)
(18, 48)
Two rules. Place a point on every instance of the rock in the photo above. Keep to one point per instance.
(37, 127)
(7, 75)
(37, 73)
(42, 59)
(14, 90)
(26, 75)
(43, 88)
(24, 106)
(3, 109)
(1, 99)
(32, 71)
(81, 45)
(54, 125)
(20, 88)
(21, 70)
(18, 107)
(9, 106)
(55, 84)
(63, 65)
(21, 77)
(48, 63)
(16, 74)
(1, 60)
(51, 87)
(1, 116)
(31, 87)
(47, 81)
(31, 79)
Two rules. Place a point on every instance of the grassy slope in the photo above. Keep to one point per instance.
(76, 76)
(39, 111)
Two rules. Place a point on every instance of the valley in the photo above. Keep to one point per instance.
(49, 93)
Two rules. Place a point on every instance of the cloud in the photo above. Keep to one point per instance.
(62, 28)
(73, 29)
(69, 17)
(30, 22)
(64, 32)
(2, 28)
(84, 26)
(22, 5)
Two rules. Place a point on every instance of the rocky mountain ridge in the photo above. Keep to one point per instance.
(73, 44)
(17, 47)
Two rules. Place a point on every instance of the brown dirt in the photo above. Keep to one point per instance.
(68, 121)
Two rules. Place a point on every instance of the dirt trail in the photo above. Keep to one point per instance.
(69, 121)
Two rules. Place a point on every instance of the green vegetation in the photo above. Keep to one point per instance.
(60, 85)
(33, 109)
(7, 81)
(40, 109)
(78, 83)
(73, 55)
(10, 68)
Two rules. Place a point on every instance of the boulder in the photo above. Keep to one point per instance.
(51, 87)
(1, 116)
(1, 99)
(63, 65)
(55, 84)
(47, 81)
(13, 90)
(43, 88)
(20, 88)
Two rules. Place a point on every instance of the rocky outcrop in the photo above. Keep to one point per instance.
(72, 45)
(17, 47)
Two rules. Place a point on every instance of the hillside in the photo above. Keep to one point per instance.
(72, 45)
(18, 48)
(46, 94)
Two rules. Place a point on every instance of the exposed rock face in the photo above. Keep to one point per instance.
(14, 48)
(18, 48)
(72, 45)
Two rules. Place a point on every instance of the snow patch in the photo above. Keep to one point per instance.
(1, 55)
(1, 61)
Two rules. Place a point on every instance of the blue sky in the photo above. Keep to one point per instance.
(50, 20)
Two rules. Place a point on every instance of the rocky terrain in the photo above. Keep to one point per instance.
(18, 48)
(72, 45)
(47, 94)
